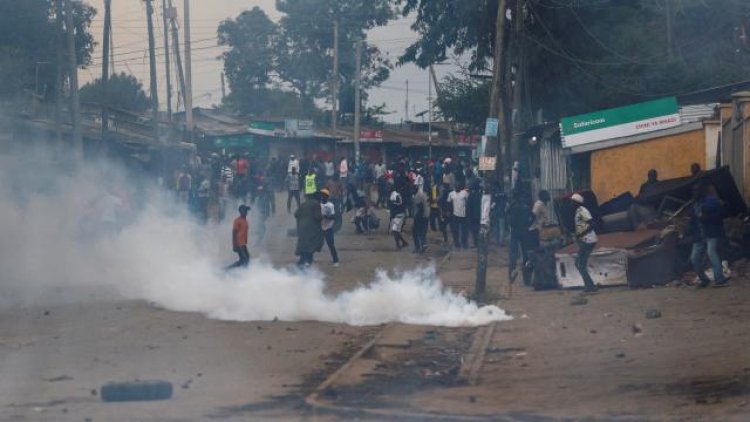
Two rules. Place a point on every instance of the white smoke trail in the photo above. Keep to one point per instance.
(165, 258)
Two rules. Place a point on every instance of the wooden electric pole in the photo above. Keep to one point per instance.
(335, 80)
(495, 145)
(167, 61)
(152, 68)
(223, 87)
(105, 71)
(357, 100)
(176, 49)
(188, 76)
(519, 121)
(75, 102)
(59, 78)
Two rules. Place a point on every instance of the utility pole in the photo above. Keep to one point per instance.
(429, 116)
(111, 52)
(59, 77)
(188, 76)
(335, 81)
(357, 100)
(152, 67)
(223, 88)
(75, 102)
(439, 94)
(176, 48)
(519, 121)
(167, 62)
(406, 106)
(494, 143)
(105, 71)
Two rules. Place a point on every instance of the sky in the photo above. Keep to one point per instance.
(131, 51)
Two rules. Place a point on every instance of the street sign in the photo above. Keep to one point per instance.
(620, 122)
(490, 128)
(487, 163)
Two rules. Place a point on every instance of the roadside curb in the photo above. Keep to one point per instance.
(470, 367)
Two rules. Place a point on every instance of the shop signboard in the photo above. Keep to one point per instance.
(620, 122)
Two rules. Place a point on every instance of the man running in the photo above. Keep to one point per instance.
(239, 238)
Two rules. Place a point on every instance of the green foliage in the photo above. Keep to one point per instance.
(251, 58)
(465, 100)
(29, 37)
(451, 27)
(306, 47)
(123, 91)
(298, 52)
(589, 55)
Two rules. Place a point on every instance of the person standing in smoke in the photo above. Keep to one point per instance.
(240, 229)
(293, 187)
(421, 219)
(397, 209)
(328, 210)
(309, 231)
(265, 207)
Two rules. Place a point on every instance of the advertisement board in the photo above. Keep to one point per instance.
(620, 122)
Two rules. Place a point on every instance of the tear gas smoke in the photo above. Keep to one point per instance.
(54, 246)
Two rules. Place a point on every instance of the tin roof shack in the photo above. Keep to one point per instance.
(390, 142)
(282, 137)
(735, 140)
(626, 142)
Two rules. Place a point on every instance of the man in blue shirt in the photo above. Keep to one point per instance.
(707, 224)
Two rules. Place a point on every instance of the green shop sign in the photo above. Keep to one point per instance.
(620, 122)
(234, 142)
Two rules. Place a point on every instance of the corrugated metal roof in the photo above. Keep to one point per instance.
(698, 112)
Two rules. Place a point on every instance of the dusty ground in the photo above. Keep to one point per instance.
(603, 360)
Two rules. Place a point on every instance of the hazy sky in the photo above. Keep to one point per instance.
(131, 51)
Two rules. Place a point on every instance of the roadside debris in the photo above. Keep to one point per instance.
(653, 314)
(578, 301)
(136, 391)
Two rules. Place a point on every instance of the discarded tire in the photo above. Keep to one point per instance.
(136, 391)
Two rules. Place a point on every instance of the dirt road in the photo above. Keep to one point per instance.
(602, 360)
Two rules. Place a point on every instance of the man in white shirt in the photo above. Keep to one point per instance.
(293, 164)
(330, 171)
(541, 218)
(459, 221)
(328, 210)
(379, 170)
(586, 239)
(397, 208)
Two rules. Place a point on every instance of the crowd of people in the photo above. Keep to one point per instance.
(444, 196)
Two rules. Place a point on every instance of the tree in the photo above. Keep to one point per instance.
(306, 45)
(465, 100)
(28, 44)
(123, 91)
(251, 58)
(583, 56)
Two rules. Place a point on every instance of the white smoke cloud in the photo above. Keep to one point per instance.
(48, 253)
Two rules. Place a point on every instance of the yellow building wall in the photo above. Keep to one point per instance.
(621, 169)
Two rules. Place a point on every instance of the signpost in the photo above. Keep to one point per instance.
(487, 163)
(490, 128)
(620, 122)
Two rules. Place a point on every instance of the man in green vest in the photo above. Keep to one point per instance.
(311, 185)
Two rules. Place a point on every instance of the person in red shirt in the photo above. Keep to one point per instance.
(242, 166)
(239, 238)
